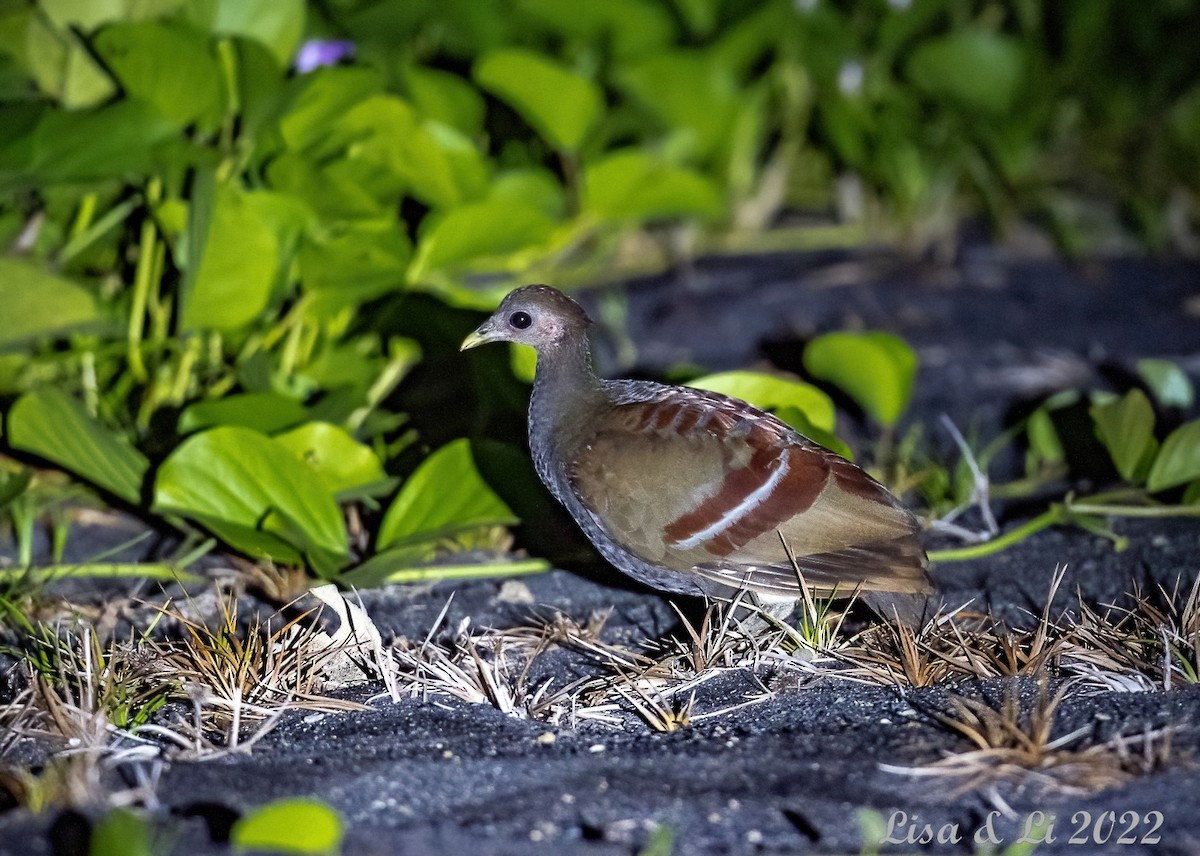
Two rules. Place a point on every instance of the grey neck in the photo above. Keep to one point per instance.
(566, 399)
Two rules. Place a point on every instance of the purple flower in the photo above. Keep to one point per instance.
(320, 52)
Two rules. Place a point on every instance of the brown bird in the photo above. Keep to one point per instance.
(694, 492)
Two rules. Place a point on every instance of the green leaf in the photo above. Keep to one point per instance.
(445, 495)
(1169, 384)
(973, 68)
(266, 412)
(340, 462)
(559, 104)
(250, 491)
(298, 825)
(362, 261)
(54, 56)
(690, 92)
(38, 303)
(875, 369)
(138, 51)
(631, 185)
(522, 359)
(630, 27)
(81, 145)
(51, 424)
(121, 833)
(247, 249)
(478, 230)
(1178, 461)
(1044, 443)
(447, 98)
(278, 24)
(318, 101)
(1126, 428)
(770, 392)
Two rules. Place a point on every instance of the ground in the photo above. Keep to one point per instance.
(782, 757)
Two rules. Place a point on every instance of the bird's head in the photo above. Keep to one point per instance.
(536, 315)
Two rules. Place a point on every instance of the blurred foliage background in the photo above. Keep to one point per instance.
(233, 228)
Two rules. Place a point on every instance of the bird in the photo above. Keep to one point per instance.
(697, 493)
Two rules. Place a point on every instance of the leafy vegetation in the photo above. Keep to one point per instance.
(195, 259)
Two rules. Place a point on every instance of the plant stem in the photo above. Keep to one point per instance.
(1050, 517)
(142, 280)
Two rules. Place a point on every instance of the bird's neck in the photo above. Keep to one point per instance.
(567, 397)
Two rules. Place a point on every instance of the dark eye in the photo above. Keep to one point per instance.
(520, 320)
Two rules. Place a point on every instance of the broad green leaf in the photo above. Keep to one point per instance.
(875, 369)
(318, 101)
(332, 190)
(1178, 461)
(533, 187)
(266, 412)
(299, 825)
(87, 15)
(251, 491)
(278, 24)
(1169, 384)
(121, 833)
(167, 64)
(493, 227)
(443, 496)
(249, 244)
(770, 392)
(340, 462)
(38, 303)
(631, 27)
(559, 104)
(360, 262)
(973, 68)
(442, 166)
(690, 92)
(79, 145)
(55, 57)
(52, 425)
(446, 98)
(631, 185)
(1126, 428)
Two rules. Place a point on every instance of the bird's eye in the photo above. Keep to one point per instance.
(520, 320)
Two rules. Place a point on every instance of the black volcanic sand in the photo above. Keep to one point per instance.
(792, 773)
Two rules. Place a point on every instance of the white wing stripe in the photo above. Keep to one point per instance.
(730, 517)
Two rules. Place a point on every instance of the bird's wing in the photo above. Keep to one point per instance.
(695, 481)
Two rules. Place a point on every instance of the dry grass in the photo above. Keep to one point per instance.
(1015, 744)
(97, 707)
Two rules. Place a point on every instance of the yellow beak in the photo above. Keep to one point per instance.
(474, 340)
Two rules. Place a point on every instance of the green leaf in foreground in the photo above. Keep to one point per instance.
(52, 425)
(121, 833)
(1168, 383)
(340, 462)
(254, 494)
(1178, 461)
(267, 412)
(39, 303)
(478, 230)
(772, 393)
(559, 104)
(631, 185)
(1126, 428)
(299, 825)
(445, 495)
(876, 369)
